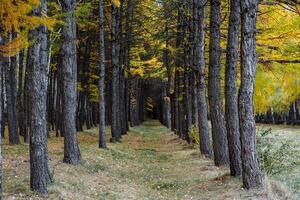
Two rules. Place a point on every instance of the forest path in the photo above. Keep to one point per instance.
(150, 163)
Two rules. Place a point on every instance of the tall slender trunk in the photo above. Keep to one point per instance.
(205, 147)
(38, 84)
(2, 83)
(121, 53)
(102, 133)
(11, 97)
(220, 144)
(115, 122)
(128, 36)
(252, 176)
(69, 82)
(195, 58)
(231, 107)
(26, 123)
(1, 118)
(20, 99)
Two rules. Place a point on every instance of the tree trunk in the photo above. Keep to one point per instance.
(115, 122)
(102, 133)
(38, 84)
(200, 73)
(231, 107)
(2, 102)
(69, 79)
(1, 118)
(11, 99)
(220, 144)
(252, 176)
(20, 99)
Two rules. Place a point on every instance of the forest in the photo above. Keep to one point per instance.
(152, 99)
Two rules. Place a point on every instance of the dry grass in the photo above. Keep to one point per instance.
(150, 163)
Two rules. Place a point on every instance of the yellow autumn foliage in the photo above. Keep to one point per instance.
(14, 16)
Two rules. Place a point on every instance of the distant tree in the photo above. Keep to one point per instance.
(252, 176)
(231, 107)
(69, 81)
(115, 48)
(11, 96)
(1, 118)
(102, 132)
(220, 144)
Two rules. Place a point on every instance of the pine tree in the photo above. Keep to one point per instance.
(252, 177)
(231, 107)
(115, 34)
(38, 83)
(220, 144)
(205, 146)
(69, 81)
(1, 118)
(102, 132)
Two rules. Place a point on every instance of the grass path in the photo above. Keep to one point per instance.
(150, 163)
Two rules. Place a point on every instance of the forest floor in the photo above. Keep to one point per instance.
(150, 163)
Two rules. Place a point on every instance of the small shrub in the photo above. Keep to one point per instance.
(276, 155)
(194, 135)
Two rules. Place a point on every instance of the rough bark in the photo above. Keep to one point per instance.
(252, 176)
(20, 99)
(1, 118)
(11, 99)
(2, 102)
(38, 83)
(69, 81)
(205, 146)
(128, 36)
(102, 133)
(115, 122)
(220, 145)
(231, 107)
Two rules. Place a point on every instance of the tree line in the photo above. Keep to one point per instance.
(86, 68)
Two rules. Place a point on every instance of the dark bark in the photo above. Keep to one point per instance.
(220, 144)
(58, 102)
(38, 84)
(102, 132)
(69, 82)
(115, 120)
(188, 53)
(26, 113)
(1, 118)
(179, 65)
(128, 36)
(195, 61)
(231, 107)
(252, 176)
(20, 99)
(205, 146)
(2, 100)
(122, 70)
(11, 99)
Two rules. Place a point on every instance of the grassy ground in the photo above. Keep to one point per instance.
(150, 163)
(289, 177)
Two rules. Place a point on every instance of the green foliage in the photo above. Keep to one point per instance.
(276, 155)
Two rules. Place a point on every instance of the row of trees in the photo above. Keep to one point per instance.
(111, 62)
(36, 83)
(233, 143)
